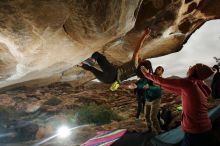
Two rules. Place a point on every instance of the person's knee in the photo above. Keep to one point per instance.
(96, 55)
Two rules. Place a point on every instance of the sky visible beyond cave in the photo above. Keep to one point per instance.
(202, 46)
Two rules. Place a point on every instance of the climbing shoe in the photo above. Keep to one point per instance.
(90, 62)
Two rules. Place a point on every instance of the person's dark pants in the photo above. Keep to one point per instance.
(203, 139)
(141, 102)
(108, 73)
(140, 108)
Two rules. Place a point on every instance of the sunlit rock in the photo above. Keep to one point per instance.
(41, 42)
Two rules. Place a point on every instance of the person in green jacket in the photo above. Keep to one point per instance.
(152, 107)
(141, 86)
(146, 90)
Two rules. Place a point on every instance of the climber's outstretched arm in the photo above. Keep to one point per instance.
(139, 45)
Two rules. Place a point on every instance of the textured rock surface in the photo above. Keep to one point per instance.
(42, 41)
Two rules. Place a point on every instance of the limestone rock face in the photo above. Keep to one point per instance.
(42, 41)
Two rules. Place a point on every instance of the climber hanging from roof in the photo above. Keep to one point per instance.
(111, 74)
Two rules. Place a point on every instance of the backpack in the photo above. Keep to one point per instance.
(164, 117)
